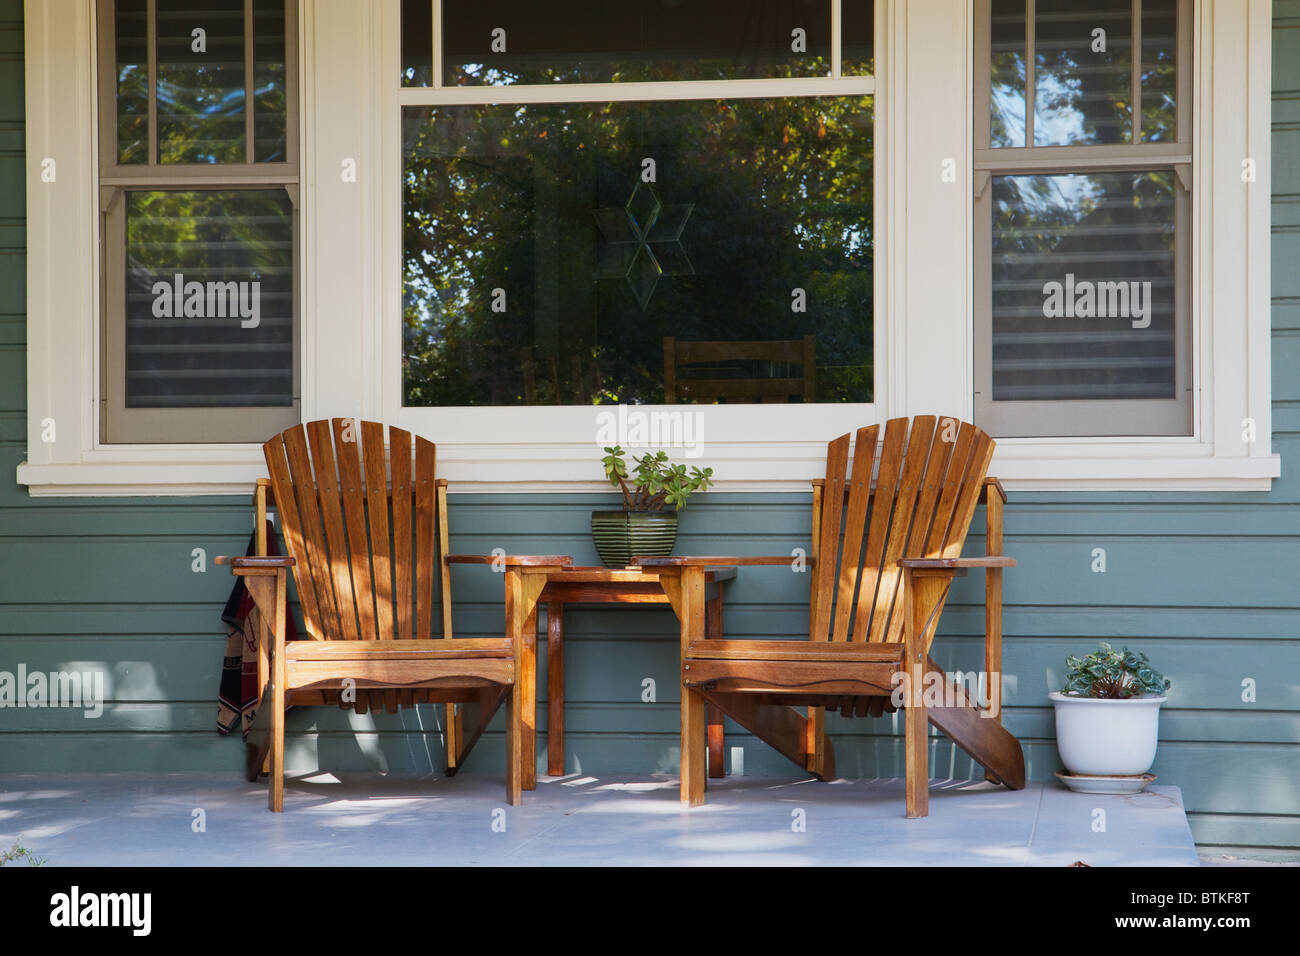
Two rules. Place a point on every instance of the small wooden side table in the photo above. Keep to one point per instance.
(572, 585)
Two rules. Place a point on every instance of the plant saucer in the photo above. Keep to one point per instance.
(1106, 783)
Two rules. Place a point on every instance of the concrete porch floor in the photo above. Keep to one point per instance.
(371, 819)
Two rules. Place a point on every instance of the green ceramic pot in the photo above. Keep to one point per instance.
(622, 535)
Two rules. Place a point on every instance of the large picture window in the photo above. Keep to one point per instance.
(1083, 218)
(658, 231)
(198, 180)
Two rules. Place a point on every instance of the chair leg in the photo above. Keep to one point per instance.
(916, 729)
(275, 789)
(279, 681)
(717, 767)
(528, 702)
(694, 749)
(514, 745)
(688, 596)
(452, 736)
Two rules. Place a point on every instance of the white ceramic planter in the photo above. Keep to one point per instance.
(1107, 737)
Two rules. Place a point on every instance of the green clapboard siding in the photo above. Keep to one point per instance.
(1203, 582)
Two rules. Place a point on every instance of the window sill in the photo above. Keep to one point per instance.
(1021, 465)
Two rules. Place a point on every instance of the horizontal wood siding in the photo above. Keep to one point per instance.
(1205, 583)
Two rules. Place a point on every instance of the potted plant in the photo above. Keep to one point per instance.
(643, 527)
(1108, 717)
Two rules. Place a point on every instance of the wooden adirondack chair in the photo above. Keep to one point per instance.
(884, 555)
(366, 543)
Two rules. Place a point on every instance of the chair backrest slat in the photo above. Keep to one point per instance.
(425, 508)
(837, 458)
(444, 548)
(348, 450)
(381, 546)
(927, 483)
(981, 458)
(936, 465)
(855, 521)
(927, 501)
(325, 469)
(365, 556)
(909, 484)
(311, 597)
(882, 509)
(977, 467)
(403, 530)
(952, 487)
(317, 554)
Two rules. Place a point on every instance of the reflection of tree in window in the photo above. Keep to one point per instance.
(504, 198)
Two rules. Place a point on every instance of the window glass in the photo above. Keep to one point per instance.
(131, 22)
(269, 93)
(1007, 73)
(201, 99)
(561, 253)
(1159, 70)
(858, 37)
(1083, 286)
(209, 298)
(505, 42)
(1083, 79)
(417, 42)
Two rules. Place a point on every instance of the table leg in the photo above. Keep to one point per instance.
(555, 689)
(713, 628)
(694, 768)
(528, 701)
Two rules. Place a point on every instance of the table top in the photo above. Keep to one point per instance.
(629, 575)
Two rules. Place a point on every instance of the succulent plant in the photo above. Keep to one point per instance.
(1113, 674)
(655, 481)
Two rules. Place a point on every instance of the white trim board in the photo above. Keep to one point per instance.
(351, 260)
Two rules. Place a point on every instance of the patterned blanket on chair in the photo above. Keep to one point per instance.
(238, 694)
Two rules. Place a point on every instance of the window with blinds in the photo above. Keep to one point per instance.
(1083, 218)
(198, 187)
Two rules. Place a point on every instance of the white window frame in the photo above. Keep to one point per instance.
(350, 259)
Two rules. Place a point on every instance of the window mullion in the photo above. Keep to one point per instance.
(1135, 56)
(151, 43)
(250, 155)
(437, 44)
(837, 38)
(1183, 64)
(1029, 72)
(797, 87)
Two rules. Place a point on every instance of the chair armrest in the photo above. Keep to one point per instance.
(254, 561)
(692, 562)
(991, 485)
(512, 560)
(939, 564)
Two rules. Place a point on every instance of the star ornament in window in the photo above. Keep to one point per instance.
(642, 242)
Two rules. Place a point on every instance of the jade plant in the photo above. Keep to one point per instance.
(1112, 675)
(654, 482)
(17, 853)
